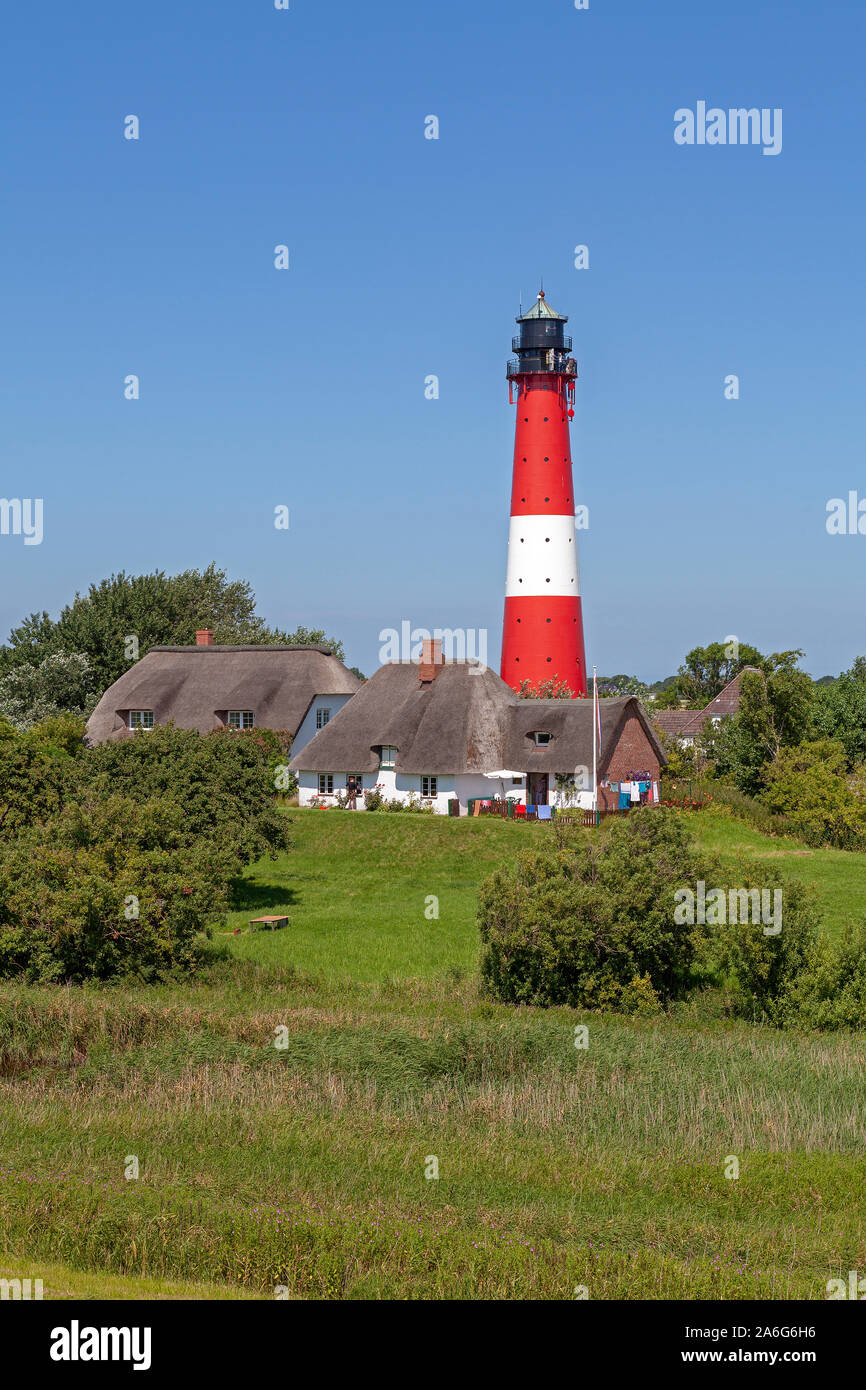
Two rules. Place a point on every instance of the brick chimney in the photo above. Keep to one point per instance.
(431, 659)
(204, 637)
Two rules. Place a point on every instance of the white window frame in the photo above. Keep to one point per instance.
(143, 714)
(542, 739)
(323, 716)
(388, 758)
(326, 784)
(431, 784)
(237, 718)
(359, 780)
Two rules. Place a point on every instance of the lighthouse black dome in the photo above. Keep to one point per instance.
(541, 345)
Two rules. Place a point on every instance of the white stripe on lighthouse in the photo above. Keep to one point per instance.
(542, 557)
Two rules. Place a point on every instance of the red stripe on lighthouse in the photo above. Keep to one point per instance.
(542, 640)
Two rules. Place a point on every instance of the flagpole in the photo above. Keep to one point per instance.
(594, 740)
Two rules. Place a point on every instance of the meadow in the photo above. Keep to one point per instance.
(288, 1107)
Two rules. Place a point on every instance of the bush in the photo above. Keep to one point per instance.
(162, 822)
(221, 781)
(108, 887)
(759, 968)
(830, 991)
(33, 775)
(594, 926)
(808, 785)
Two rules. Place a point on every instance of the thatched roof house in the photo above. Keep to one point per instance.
(450, 731)
(211, 687)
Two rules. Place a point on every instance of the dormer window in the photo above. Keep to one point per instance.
(388, 757)
(541, 740)
(323, 716)
(141, 719)
(240, 719)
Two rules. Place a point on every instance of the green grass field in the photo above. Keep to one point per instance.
(303, 1166)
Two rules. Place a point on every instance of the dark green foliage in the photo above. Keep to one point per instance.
(34, 768)
(758, 965)
(157, 609)
(840, 712)
(830, 991)
(707, 670)
(221, 782)
(595, 926)
(584, 925)
(799, 978)
(775, 712)
(109, 886)
(168, 818)
(807, 785)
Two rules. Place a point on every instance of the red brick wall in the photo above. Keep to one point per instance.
(633, 752)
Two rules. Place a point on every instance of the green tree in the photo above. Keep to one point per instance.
(707, 670)
(157, 610)
(776, 711)
(35, 770)
(807, 784)
(62, 683)
(840, 711)
(666, 699)
(223, 783)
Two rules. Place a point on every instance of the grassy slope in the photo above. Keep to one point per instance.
(839, 876)
(305, 1166)
(356, 887)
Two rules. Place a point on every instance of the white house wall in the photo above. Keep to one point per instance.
(464, 786)
(307, 729)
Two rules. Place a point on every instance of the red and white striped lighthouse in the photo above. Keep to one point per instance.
(542, 635)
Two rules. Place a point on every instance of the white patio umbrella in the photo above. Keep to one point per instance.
(504, 774)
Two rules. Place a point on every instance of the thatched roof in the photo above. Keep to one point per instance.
(466, 720)
(189, 685)
(455, 723)
(569, 722)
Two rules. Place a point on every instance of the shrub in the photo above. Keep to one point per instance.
(108, 887)
(758, 968)
(593, 926)
(830, 990)
(221, 781)
(808, 785)
(33, 775)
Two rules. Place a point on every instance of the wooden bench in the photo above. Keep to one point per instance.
(272, 922)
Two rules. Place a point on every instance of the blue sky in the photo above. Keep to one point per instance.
(306, 387)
